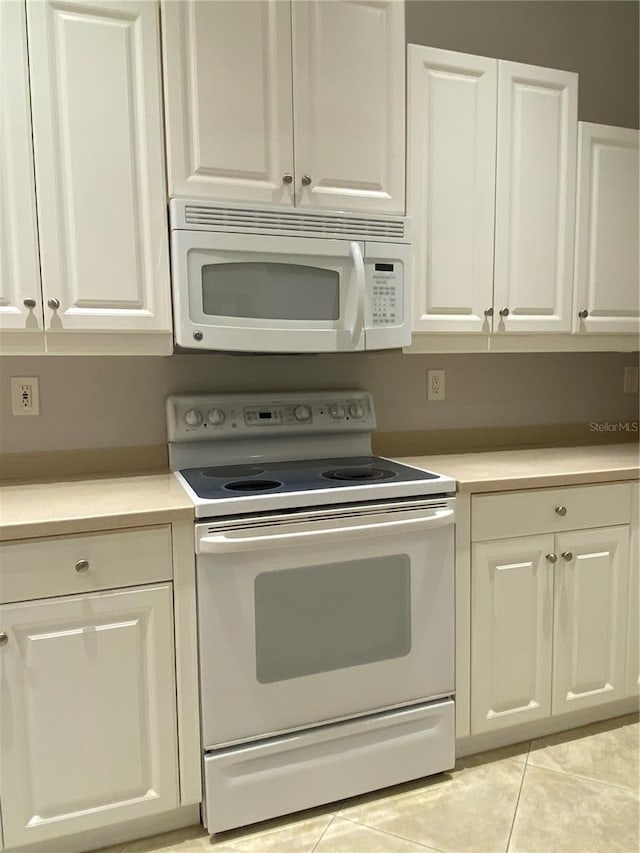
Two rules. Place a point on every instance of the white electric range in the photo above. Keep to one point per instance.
(325, 583)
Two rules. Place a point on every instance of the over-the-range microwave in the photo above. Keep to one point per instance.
(250, 279)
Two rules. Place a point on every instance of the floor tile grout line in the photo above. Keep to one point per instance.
(515, 811)
(586, 779)
(394, 835)
(324, 831)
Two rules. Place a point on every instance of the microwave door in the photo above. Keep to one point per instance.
(252, 293)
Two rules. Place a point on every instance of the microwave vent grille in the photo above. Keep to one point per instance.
(293, 222)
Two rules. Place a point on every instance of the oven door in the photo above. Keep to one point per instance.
(307, 620)
(254, 293)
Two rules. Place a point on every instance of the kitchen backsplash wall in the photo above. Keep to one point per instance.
(119, 402)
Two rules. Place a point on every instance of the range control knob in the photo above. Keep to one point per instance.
(216, 417)
(337, 411)
(302, 413)
(356, 410)
(193, 417)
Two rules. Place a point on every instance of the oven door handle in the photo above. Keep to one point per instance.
(219, 543)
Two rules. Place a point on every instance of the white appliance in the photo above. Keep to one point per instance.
(272, 280)
(325, 584)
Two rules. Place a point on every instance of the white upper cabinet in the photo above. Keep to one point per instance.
(535, 198)
(607, 276)
(20, 297)
(228, 99)
(451, 187)
(349, 105)
(491, 191)
(97, 126)
(248, 84)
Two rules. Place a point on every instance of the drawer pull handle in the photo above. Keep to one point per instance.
(306, 180)
(552, 558)
(4, 639)
(561, 510)
(488, 312)
(504, 312)
(567, 555)
(82, 565)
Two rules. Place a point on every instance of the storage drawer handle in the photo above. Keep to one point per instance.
(567, 555)
(4, 639)
(552, 558)
(82, 565)
(561, 510)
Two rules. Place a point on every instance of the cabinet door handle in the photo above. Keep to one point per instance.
(583, 314)
(552, 558)
(29, 302)
(306, 180)
(53, 303)
(4, 639)
(567, 555)
(287, 178)
(561, 510)
(488, 312)
(82, 565)
(504, 312)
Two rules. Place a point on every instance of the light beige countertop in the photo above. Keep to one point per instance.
(101, 503)
(91, 503)
(504, 470)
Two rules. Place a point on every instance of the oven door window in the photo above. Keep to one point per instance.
(329, 617)
(270, 291)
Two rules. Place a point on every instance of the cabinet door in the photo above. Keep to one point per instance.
(349, 104)
(97, 125)
(228, 99)
(590, 618)
(19, 263)
(633, 632)
(88, 712)
(535, 198)
(511, 625)
(451, 187)
(607, 271)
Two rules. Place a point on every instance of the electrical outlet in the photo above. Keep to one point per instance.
(630, 383)
(435, 385)
(25, 395)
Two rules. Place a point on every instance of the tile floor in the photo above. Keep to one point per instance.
(575, 792)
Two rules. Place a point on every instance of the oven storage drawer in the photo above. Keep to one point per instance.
(67, 565)
(280, 775)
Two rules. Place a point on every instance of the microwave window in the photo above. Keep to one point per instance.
(270, 291)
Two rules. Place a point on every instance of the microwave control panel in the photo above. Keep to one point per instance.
(384, 284)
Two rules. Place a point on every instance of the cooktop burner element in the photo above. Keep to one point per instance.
(265, 452)
(355, 474)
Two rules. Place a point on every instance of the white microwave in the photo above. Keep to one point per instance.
(288, 281)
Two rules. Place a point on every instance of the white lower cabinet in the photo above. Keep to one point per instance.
(549, 609)
(633, 632)
(93, 694)
(89, 733)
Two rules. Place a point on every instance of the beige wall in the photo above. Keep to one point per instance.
(110, 402)
(597, 39)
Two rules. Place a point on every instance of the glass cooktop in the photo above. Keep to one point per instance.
(301, 476)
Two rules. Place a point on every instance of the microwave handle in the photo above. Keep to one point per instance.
(221, 544)
(358, 263)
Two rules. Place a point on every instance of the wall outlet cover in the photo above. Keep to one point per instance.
(25, 395)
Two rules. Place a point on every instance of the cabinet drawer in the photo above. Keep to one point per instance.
(540, 510)
(41, 568)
